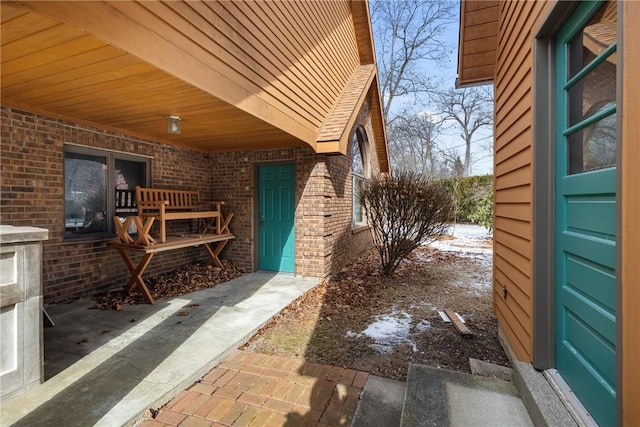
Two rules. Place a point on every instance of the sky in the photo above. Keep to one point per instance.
(446, 72)
(483, 157)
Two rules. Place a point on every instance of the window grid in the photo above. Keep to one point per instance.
(91, 205)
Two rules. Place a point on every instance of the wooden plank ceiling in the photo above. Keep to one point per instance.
(479, 20)
(52, 67)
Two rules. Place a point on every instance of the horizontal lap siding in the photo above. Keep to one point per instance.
(479, 27)
(513, 159)
(285, 53)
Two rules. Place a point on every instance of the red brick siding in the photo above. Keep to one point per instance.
(343, 241)
(324, 238)
(32, 193)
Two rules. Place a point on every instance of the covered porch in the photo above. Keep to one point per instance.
(108, 367)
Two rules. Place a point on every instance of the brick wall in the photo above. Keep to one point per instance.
(32, 194)
(324, 238)
(343, 241)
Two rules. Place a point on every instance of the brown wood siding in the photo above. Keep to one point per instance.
(478, 31)
(364, 37)
(513, 168)
(251, 43)
(629, 316)
(247, 73)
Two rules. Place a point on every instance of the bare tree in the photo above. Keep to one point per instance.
(412, 143)
(406, 33)
(451, 164)
(469, 110)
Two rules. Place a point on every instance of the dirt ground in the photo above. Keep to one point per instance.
(365, 321)
(362, 320)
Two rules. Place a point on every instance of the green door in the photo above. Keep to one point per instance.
(276, 218)
(586, 207)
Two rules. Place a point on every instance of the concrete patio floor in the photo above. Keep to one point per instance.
(107, 368)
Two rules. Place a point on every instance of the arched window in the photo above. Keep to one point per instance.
(360, 153)
(360, 171)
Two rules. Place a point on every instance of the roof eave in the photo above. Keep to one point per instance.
(477, 42)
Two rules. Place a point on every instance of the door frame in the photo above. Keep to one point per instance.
(543, 198)
(544, 176)
(255, 222)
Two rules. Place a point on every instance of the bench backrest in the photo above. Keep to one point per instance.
(177, 199)
(126, 202)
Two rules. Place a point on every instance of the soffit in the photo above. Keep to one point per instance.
(52, 67)
(479, 21)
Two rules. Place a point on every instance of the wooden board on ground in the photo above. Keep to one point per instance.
(461, 327)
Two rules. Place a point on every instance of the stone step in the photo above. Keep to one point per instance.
(380, 403)
(439, 397)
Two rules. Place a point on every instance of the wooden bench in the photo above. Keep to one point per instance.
(162, 205)
(173, 242)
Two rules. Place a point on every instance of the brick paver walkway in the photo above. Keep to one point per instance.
(252, 389)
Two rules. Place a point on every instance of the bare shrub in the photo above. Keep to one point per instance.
(404, 211)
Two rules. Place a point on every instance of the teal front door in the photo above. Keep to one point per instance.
(276, 218)
(586, 207)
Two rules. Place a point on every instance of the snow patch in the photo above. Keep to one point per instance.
(464, 241)
(469, 231)
(390, 330)
(423, 325)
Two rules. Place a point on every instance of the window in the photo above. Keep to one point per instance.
(590, 86)
(360, 172)
(93, 181)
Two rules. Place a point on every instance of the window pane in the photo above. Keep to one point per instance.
(592, 91)
(128, 174)
(593, 147)
(599, 33)
(357, 165)
(360, 153)
(85, 190)
(358, 212)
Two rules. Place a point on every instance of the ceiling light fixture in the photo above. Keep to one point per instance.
(174, 125)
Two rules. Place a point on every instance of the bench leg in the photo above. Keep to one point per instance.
(144, 230)
(136, 275)
(122, 229)
(209, 224)
(224, 227)
(213, 253)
